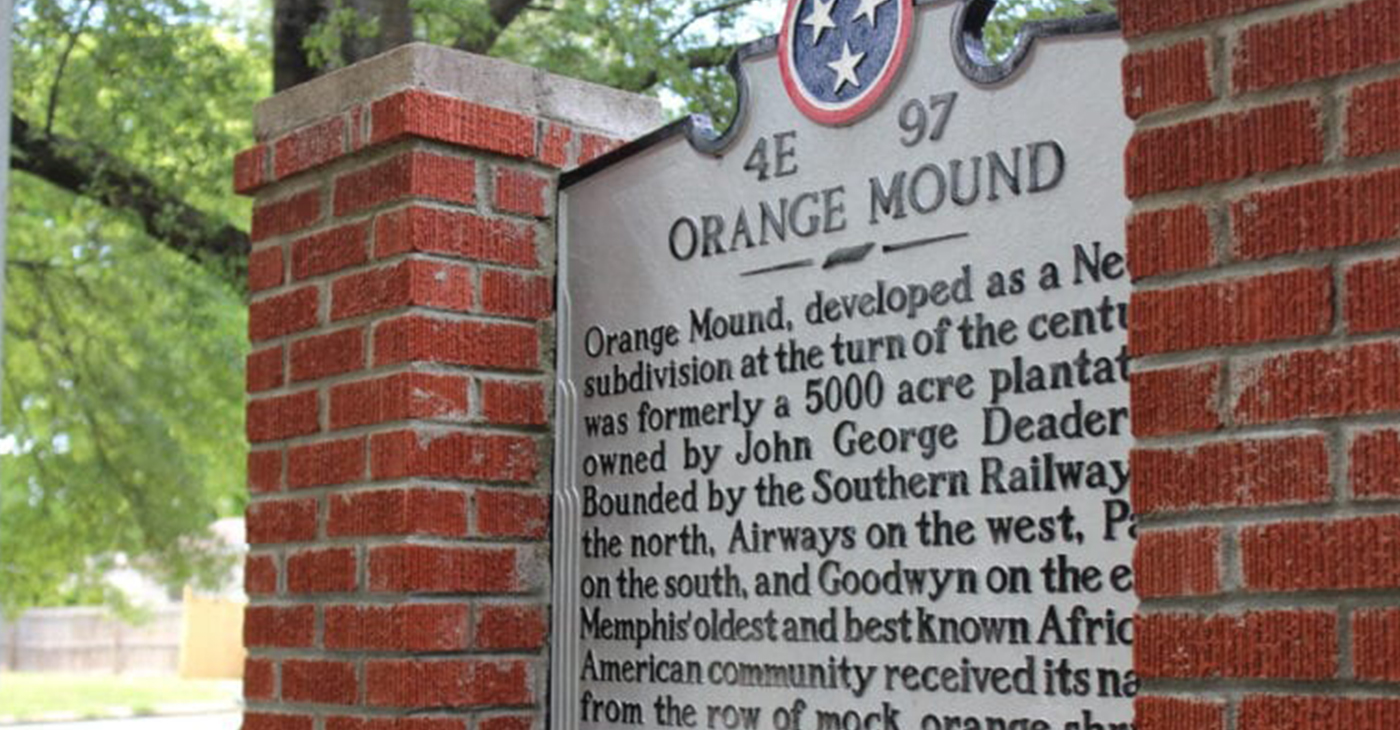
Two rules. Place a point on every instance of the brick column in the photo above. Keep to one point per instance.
(400, 385)
(1265, 246)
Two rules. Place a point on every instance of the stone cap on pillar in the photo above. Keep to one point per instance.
(425, 91)
(469, 77)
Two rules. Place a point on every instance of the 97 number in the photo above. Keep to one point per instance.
(925, 120)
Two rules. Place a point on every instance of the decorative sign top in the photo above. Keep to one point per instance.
(843, 403)
(839, 57)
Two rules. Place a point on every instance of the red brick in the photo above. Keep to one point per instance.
(264, 370)
(395, 723)
(516, 295)
(453, 455)
(430, 569)
(1257, 645)
(484, 344)
(282, 417)
(1169, 242)
(593, 146)
(1174, 713)
(1375, 465)
(430, 116)
(250, 170)
(326, 463)
(457, 683)
(259, 682)
(1223, 148)
(284, 314)
(398, 397)
(289, 214)
(1283, 306)
(1169, 563)
(409, 175)
(502, 627)
(266, 721)
(1375, 637)
(417, 628)
(322, 571)
(309, 147)
(265, 269)
(1319, 384)
(1167, 78)
(1177, 400)
(287, 520)
(330, 251)
(1373, 296)
(1317, 45)
(409, 284)
(455, 233)
(1371, 114)
(285, 627)
(1291, 712)
(319, 681)
(1254, 473)
(1355, 554)
(260, 575)
(398, 512)
(1142, 17)
(506, 722)
(510, 513)
(511, 403)
(520, 192)
(1319, 216)
(554, 144)
(330, 354)
(264, 471)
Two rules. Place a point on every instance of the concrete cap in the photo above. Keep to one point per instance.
(478, 79)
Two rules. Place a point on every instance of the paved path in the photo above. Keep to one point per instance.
(187, 722)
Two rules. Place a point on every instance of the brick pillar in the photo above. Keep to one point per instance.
(400, 385)
(1265, 246)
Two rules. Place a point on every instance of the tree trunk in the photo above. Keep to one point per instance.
(395, 28)
(291, 21)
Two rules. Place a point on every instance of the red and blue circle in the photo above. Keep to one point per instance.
(840, 57)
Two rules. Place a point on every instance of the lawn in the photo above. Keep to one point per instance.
(25, 695)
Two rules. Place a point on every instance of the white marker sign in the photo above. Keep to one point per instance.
(843, 395)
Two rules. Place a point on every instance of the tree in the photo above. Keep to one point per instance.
(124, 327)
(122, 419)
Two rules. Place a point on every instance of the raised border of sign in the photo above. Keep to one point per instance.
(969, 54)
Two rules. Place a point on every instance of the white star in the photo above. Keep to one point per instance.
(819, 19)
(867, 10)
(845, 67)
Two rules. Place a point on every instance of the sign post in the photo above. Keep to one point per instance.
(843, 426)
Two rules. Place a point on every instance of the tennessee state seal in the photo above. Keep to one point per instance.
(839, 57)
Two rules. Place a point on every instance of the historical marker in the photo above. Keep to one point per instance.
(843, 395)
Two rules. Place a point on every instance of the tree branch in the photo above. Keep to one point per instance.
(73, 35)
(696, 59)
(88, 170)
(712, 10)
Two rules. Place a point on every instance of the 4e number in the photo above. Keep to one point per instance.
(783, 154)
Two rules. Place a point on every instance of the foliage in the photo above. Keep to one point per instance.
(1009, 15)
(123, 403)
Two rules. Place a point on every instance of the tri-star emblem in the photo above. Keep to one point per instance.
(839, 56)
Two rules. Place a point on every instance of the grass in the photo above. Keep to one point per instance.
(25, 695)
